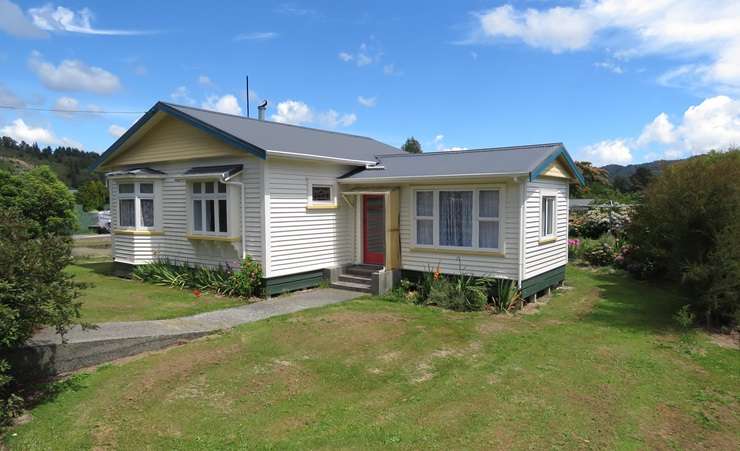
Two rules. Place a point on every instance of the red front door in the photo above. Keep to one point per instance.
(373, 230)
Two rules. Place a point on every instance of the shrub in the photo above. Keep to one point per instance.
(599, 221)
(687, 229)
(461, 293)
(93, 195)
(244, 282)
(599, 253)
(34, 292)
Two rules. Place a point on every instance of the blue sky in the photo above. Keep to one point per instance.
(616, 81)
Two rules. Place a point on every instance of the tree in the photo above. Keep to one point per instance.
(411, 146)
(622, 184)
(597, 180)
(93, 195)
(641, 178)
(35, 247)
(39, 197)
(687, 228)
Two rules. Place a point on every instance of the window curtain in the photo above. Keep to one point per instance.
(456, 218)
(127, 213)
(147, 212)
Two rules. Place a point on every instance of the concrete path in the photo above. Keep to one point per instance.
(111, 341)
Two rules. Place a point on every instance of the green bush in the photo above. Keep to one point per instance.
(34, 292)
(687, 229)
(243, 282)
(599, 221)
(93, 195)
(461, 293)
(507, 296)
(598, 253)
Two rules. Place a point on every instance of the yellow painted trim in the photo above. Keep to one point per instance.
(558, 170)
(137, 232)
(213, 238)
(434, 250)
(548, 240)
(321, 207)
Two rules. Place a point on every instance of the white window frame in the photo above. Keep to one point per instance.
(416, 217)
(215, 196)
(476, 219)
(325, 182)
(137, 196)
(554, 218)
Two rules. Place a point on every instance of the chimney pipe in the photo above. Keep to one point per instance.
(261, 110)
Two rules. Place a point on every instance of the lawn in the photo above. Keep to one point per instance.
(117, 299)
(600, 366)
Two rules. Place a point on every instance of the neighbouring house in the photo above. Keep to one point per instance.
(207, 188)
(581, 205)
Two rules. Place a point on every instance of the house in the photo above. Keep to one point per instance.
(581, 205)
(208, 188)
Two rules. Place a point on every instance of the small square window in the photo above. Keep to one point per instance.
(209, 187)
(146, 188)
(321, 193)
(196, 188)
(221, 187)
(125, 188)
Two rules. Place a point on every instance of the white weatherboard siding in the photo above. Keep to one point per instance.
(540, 257)
(303, 239)
(173, 244)
(505, 266)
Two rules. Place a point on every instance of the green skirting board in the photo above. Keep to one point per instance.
(542, 281)
(292, 282)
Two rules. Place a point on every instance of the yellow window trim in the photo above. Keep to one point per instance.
(137, 232)
(228, 239)
(548, 240)
(435, 250)
(322, 207)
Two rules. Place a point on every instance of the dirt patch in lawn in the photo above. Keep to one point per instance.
(728, 341)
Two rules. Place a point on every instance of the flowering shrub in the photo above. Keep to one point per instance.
(599, 253)
(573, 248)
(246, 281)
(598, 221)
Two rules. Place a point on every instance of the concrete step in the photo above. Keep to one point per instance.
(361, 270)
(355, 278)
(352, 286)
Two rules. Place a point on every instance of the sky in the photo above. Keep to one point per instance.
(620, 82)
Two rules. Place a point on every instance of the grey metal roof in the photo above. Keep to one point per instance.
(224, 171)
(135, 171)
(580, 203)
(274, 136)
(492, 161)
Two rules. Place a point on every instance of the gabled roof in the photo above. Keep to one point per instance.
(530, 161)
(264, 137)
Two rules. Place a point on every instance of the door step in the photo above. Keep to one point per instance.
(355, 278)
(352, 286)
(362, 270)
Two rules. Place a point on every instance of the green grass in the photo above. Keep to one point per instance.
(599, 367)
(117, 299)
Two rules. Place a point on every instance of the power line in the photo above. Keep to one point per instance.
(59, 110)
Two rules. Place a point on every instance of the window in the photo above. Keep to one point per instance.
(457, 218)
(210, 212)
(136, 205)
(322, 193)
(425, 217)
(547, 216)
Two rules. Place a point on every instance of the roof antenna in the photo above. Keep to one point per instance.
(247, 95)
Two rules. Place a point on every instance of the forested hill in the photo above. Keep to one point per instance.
(71, 165)
(615, 170)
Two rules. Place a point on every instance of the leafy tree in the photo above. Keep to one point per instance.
(597, 180)
(622, 184)
(641, 178)
(35, 247)
(93, 195)
(687, 228)
(39, 197)
(411, 146)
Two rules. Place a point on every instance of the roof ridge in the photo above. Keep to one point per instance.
(480, 150)
(270, 122)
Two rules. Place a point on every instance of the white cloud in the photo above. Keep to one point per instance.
(61, 19)
(141, 70)
(390, 69)
(205, 80)
(299, 113)
(256, 36)
(346, 57)
(438, 143)
(293, 112)
(63, 104)
(714, 124)
(116, 130)
(693, 29)
(15, 23)
(611, 67)
(454, 149)
(366, 55)
(293, 10)
(224, 104)
(20, 131)
(73, 75)
(659, 130)
(368, 102)
(608, 152)
(8, 97)
(182, 95)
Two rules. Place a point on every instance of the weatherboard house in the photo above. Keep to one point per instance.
(207, 188)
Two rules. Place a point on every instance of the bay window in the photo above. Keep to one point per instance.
(136, 205)
(457, 218)
(210, 211)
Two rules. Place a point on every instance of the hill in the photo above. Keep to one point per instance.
(616, 170)
(71, 165)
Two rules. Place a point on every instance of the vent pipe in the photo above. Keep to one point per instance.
(261, 110)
